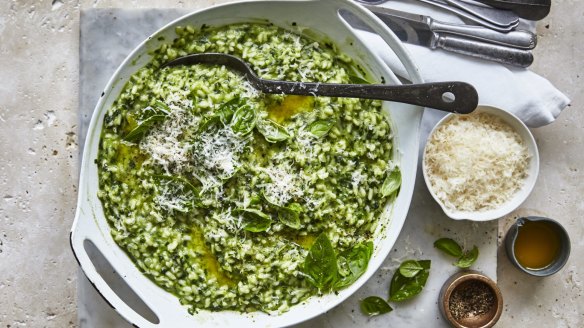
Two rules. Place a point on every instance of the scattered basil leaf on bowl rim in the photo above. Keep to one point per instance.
(391, 183)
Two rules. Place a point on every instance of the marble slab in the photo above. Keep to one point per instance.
(108, 35)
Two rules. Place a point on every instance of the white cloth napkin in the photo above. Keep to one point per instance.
(529, 96)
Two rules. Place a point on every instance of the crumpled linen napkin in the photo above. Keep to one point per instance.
(520, 91)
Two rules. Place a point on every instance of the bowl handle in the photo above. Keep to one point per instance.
(78, 237)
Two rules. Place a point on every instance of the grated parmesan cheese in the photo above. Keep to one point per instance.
(216, 155)
(356, 178)
(164, 143)
(173, 198)
(475, 162)
(283, 185)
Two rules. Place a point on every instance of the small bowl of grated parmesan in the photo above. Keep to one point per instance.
(480, 166)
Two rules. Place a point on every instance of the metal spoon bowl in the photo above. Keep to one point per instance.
(453, 97)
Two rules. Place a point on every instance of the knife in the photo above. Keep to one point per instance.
(515, 39)
(434, 40)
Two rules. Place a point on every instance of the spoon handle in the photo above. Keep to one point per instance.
(489, 14)
(528, 9)
(453, 97)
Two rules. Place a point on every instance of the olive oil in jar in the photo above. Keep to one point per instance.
(537, 245)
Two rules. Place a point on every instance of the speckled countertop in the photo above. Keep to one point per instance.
(39, 122)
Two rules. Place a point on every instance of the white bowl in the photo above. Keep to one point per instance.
(519, 196)
(320, 17)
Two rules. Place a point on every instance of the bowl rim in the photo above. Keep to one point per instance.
(520, 195)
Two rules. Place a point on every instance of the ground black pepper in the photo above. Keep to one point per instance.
(471, 299)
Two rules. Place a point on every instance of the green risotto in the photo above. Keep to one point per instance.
(235, 200)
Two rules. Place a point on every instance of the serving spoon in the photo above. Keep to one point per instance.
(453, 97)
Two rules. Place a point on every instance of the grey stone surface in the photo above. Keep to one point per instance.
(38, 167)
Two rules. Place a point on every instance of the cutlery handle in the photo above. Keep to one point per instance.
(489, 14)
(528, 9)
(453, 97)
(463, 14)
(500, 54)
(516, 39)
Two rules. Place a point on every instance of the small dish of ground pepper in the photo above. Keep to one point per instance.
(470, 299)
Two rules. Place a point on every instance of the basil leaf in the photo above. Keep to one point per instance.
(178, 179)
(270, 201)
(403, 288)
(182, 187)
(410, 268)
(244, 120)
(290, 216)
(374, 305)
(148, 117)
(296, 207)
(448, 246)
(353, 263)
(255, 199)
(207, 123)
(320, 265)
(468, 258)
(354, 79)
(255, 220)
(320, 128)
(272, 131)
(224, 114)
(161, 107)
(391, 183)
(139, 131)
(226, 111)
